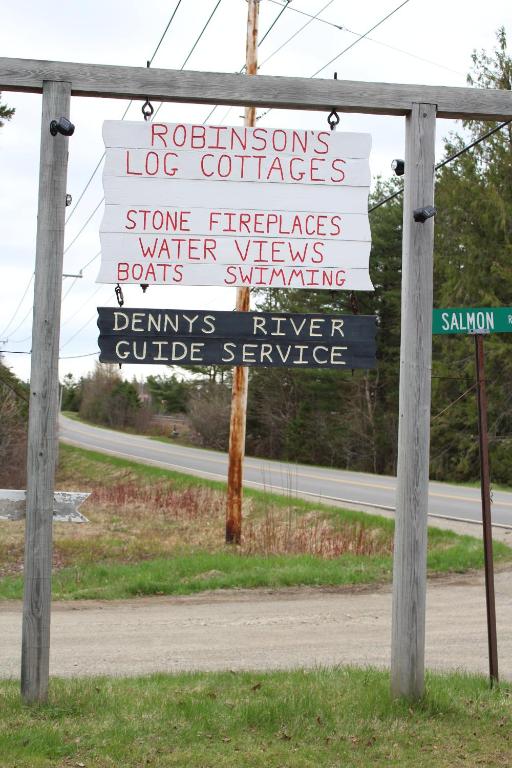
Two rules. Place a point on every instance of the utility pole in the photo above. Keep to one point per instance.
(240, 373)
(44, 396)
(410, 550)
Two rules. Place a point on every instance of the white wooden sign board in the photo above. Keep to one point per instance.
(235, 206)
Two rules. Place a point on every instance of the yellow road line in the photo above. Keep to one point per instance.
(295, 473)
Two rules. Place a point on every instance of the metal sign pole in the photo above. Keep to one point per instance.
(486, 509)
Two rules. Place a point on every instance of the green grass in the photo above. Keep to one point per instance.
(137, 549)
(330, 718)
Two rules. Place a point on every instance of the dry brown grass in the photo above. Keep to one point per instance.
(131, 521)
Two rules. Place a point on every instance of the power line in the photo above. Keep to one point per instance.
(342, 28)
(74, 357)
(361, 37)
(155, 114)
(18, 307)
(348, 48)
(446, 161)
(192, 49)
(310, 21)
(66, 249)
(164, 32)
(13, 389)
(453, 402)
(93, 174)
(284, 8)
(21, 322)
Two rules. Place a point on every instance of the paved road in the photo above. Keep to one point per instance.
(257, 629)
(352, 488)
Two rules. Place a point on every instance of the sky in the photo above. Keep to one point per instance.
(423, 43)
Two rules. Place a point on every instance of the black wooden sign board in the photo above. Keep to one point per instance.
(188, 337)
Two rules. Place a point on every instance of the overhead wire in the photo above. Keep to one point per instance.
(93, 174)
(284, 8)
(343, 28)
(446, 161)
(361, 37)
(349, 47)
(286, 42)
(198, 38)
(192, 49)
(18, 307)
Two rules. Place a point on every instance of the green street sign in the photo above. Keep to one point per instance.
(470, 320)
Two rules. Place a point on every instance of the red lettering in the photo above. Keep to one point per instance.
(300, 138)
(242, 140)
(318, 248)
(218, 130)
(214, 219)
(277, 147)
(130, 220)
(242, 159)
(245, 220)
(203, 171)
(336, 225)
(122, 271)
(224, 166)
(245, 254)
(147, 250)
(275, 166)
(152, 171)
(296, 176)
(158, 130)
(323, 142)
(338, 170)
(314, 168)
(179, 129)
(169, 171)
(129, 172)
(260, 135)
(198, 135)
(272, 219)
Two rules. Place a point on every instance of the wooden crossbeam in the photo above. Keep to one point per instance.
(117, 82)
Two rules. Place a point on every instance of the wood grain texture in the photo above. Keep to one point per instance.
(410, 551)
(191, 249)
(44, 397)
(312, 276)
(136, 134)
(162, 220)
(109, 81)
(206, 194)
(210, 165)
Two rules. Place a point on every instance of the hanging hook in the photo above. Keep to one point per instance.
(333, 118)
(147, 107)
(119, 295)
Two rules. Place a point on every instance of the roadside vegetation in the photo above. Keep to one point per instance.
(155, 532)
(334, 718)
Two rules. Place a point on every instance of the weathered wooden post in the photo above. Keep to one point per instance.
(241, 373)
(410, 551)
(44, 396)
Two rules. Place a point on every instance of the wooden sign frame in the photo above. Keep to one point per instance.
(420, 105)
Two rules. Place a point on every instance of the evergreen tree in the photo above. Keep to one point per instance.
(5, 112)
(473, 268)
